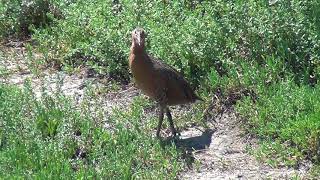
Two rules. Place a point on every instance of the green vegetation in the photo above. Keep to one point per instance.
(49, 138)
(286, 116)
(270, 49)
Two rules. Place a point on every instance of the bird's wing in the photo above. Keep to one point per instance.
(171, 75)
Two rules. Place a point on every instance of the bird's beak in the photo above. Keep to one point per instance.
(139, 40)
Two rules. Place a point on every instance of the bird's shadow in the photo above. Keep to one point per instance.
(189, 145)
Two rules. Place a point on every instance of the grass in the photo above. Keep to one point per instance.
(266, 53)
(51, 138)
(286, 117)
(192, 36)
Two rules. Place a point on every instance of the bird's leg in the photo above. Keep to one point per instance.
(173, 130)
(160, 120)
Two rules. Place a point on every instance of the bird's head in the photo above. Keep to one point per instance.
(138, 37)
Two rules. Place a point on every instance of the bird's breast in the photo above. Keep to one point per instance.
(144, 75)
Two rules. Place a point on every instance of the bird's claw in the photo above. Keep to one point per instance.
(176, 134)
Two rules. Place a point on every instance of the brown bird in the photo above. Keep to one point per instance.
(158, 80)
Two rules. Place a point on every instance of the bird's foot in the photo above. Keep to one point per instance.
(176, 134)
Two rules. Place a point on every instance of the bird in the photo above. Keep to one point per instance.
(158, 80)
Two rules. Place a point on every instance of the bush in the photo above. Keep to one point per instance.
(17, 17)
(288, 114)
(193, 37)
(273, 49)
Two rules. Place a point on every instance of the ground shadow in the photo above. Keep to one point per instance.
(196, 143)
(191, 144)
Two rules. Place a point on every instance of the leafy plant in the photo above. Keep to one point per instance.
(48, 137)
(289, 114)
(18, 17)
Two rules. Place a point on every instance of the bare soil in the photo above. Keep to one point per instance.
(227, 157)
(218, 152)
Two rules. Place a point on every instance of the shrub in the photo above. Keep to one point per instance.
(272, 49)
(17, 17)
(193, 37)
(286, 113)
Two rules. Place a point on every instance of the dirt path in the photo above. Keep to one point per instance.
(219, 153)
(226, 157)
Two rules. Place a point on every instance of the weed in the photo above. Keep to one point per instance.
(262, 56)
(288, 114)
(49, 138)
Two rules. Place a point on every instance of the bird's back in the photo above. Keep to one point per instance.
(160, 81)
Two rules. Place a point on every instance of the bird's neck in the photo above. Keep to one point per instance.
(137, 50)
